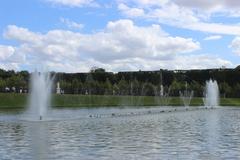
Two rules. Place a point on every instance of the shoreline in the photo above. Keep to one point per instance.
(15, 100)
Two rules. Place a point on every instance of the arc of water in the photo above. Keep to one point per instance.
(186, 97)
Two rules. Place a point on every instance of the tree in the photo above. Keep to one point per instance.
(135, 87)
(236, 91)
(76, 85)
(225, 89)
(2, 84)
(197, 88)
(97, 70)
(66, 86)
(108, 88)
(176, 86)
(123, 86)
(116, 90)
(148, 89)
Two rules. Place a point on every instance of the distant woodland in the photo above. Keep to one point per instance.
(147, 83)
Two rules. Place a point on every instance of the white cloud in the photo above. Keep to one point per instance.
(203, 5)
(193, 15)
(10, 54)
(18, 32)
(235, 45)
(132, 12)
(214, 28)
(5, 52)
(213, 37)
(122, 45)
(9, 66)
(75, 3)
(71, 24)
(214, 5)
(9, 58)
(201, 61)
(229, 8)
(134, 64)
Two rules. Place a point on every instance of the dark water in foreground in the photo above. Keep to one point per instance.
(199, 134)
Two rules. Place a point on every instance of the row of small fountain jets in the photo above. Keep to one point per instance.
(41, 84)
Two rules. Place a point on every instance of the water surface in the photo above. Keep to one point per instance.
(135, 134)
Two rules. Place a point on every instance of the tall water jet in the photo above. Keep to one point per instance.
(186, 96)
(211, 94)
(40, 94)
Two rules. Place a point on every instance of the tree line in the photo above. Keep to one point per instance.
(99, 82)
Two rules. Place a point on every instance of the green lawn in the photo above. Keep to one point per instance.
(11, 100)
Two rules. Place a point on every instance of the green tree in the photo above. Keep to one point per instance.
(76, 86)
(197, 88)
(2, 84)
(66, 86)
(148, 89)
(176, 86)
(123, 86)
(135, 88)
(108, 87)
(225, 89)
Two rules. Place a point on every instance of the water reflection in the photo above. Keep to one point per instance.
(38, 133)
(199, 134)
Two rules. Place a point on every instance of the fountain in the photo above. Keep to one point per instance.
(211, 94)
(161, 96)
(41, 85)
(186, 96)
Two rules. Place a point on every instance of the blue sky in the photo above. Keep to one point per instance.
(119, 35)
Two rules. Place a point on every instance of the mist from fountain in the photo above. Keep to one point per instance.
(40, 95)
(211, 94)
(186, 96)
(162, 97)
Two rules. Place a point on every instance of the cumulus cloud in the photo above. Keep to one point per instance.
(229, 8)
(75, 3)
(194, 15)
(9, 58)
(204, 5)
(21, 34)
(9, 66)
(71, 24)
(121, 45)
(235, 45)
(214, 5)
(201, 61)
(5, 52)
(132, 12)
(192, 61)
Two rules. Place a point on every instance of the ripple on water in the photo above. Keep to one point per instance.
(199, 134)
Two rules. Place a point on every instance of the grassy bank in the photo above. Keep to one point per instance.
(10, 100)
(13, 100)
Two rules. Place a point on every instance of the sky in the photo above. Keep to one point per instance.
(119, 35)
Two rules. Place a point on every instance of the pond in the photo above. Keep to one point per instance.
(128, 133)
